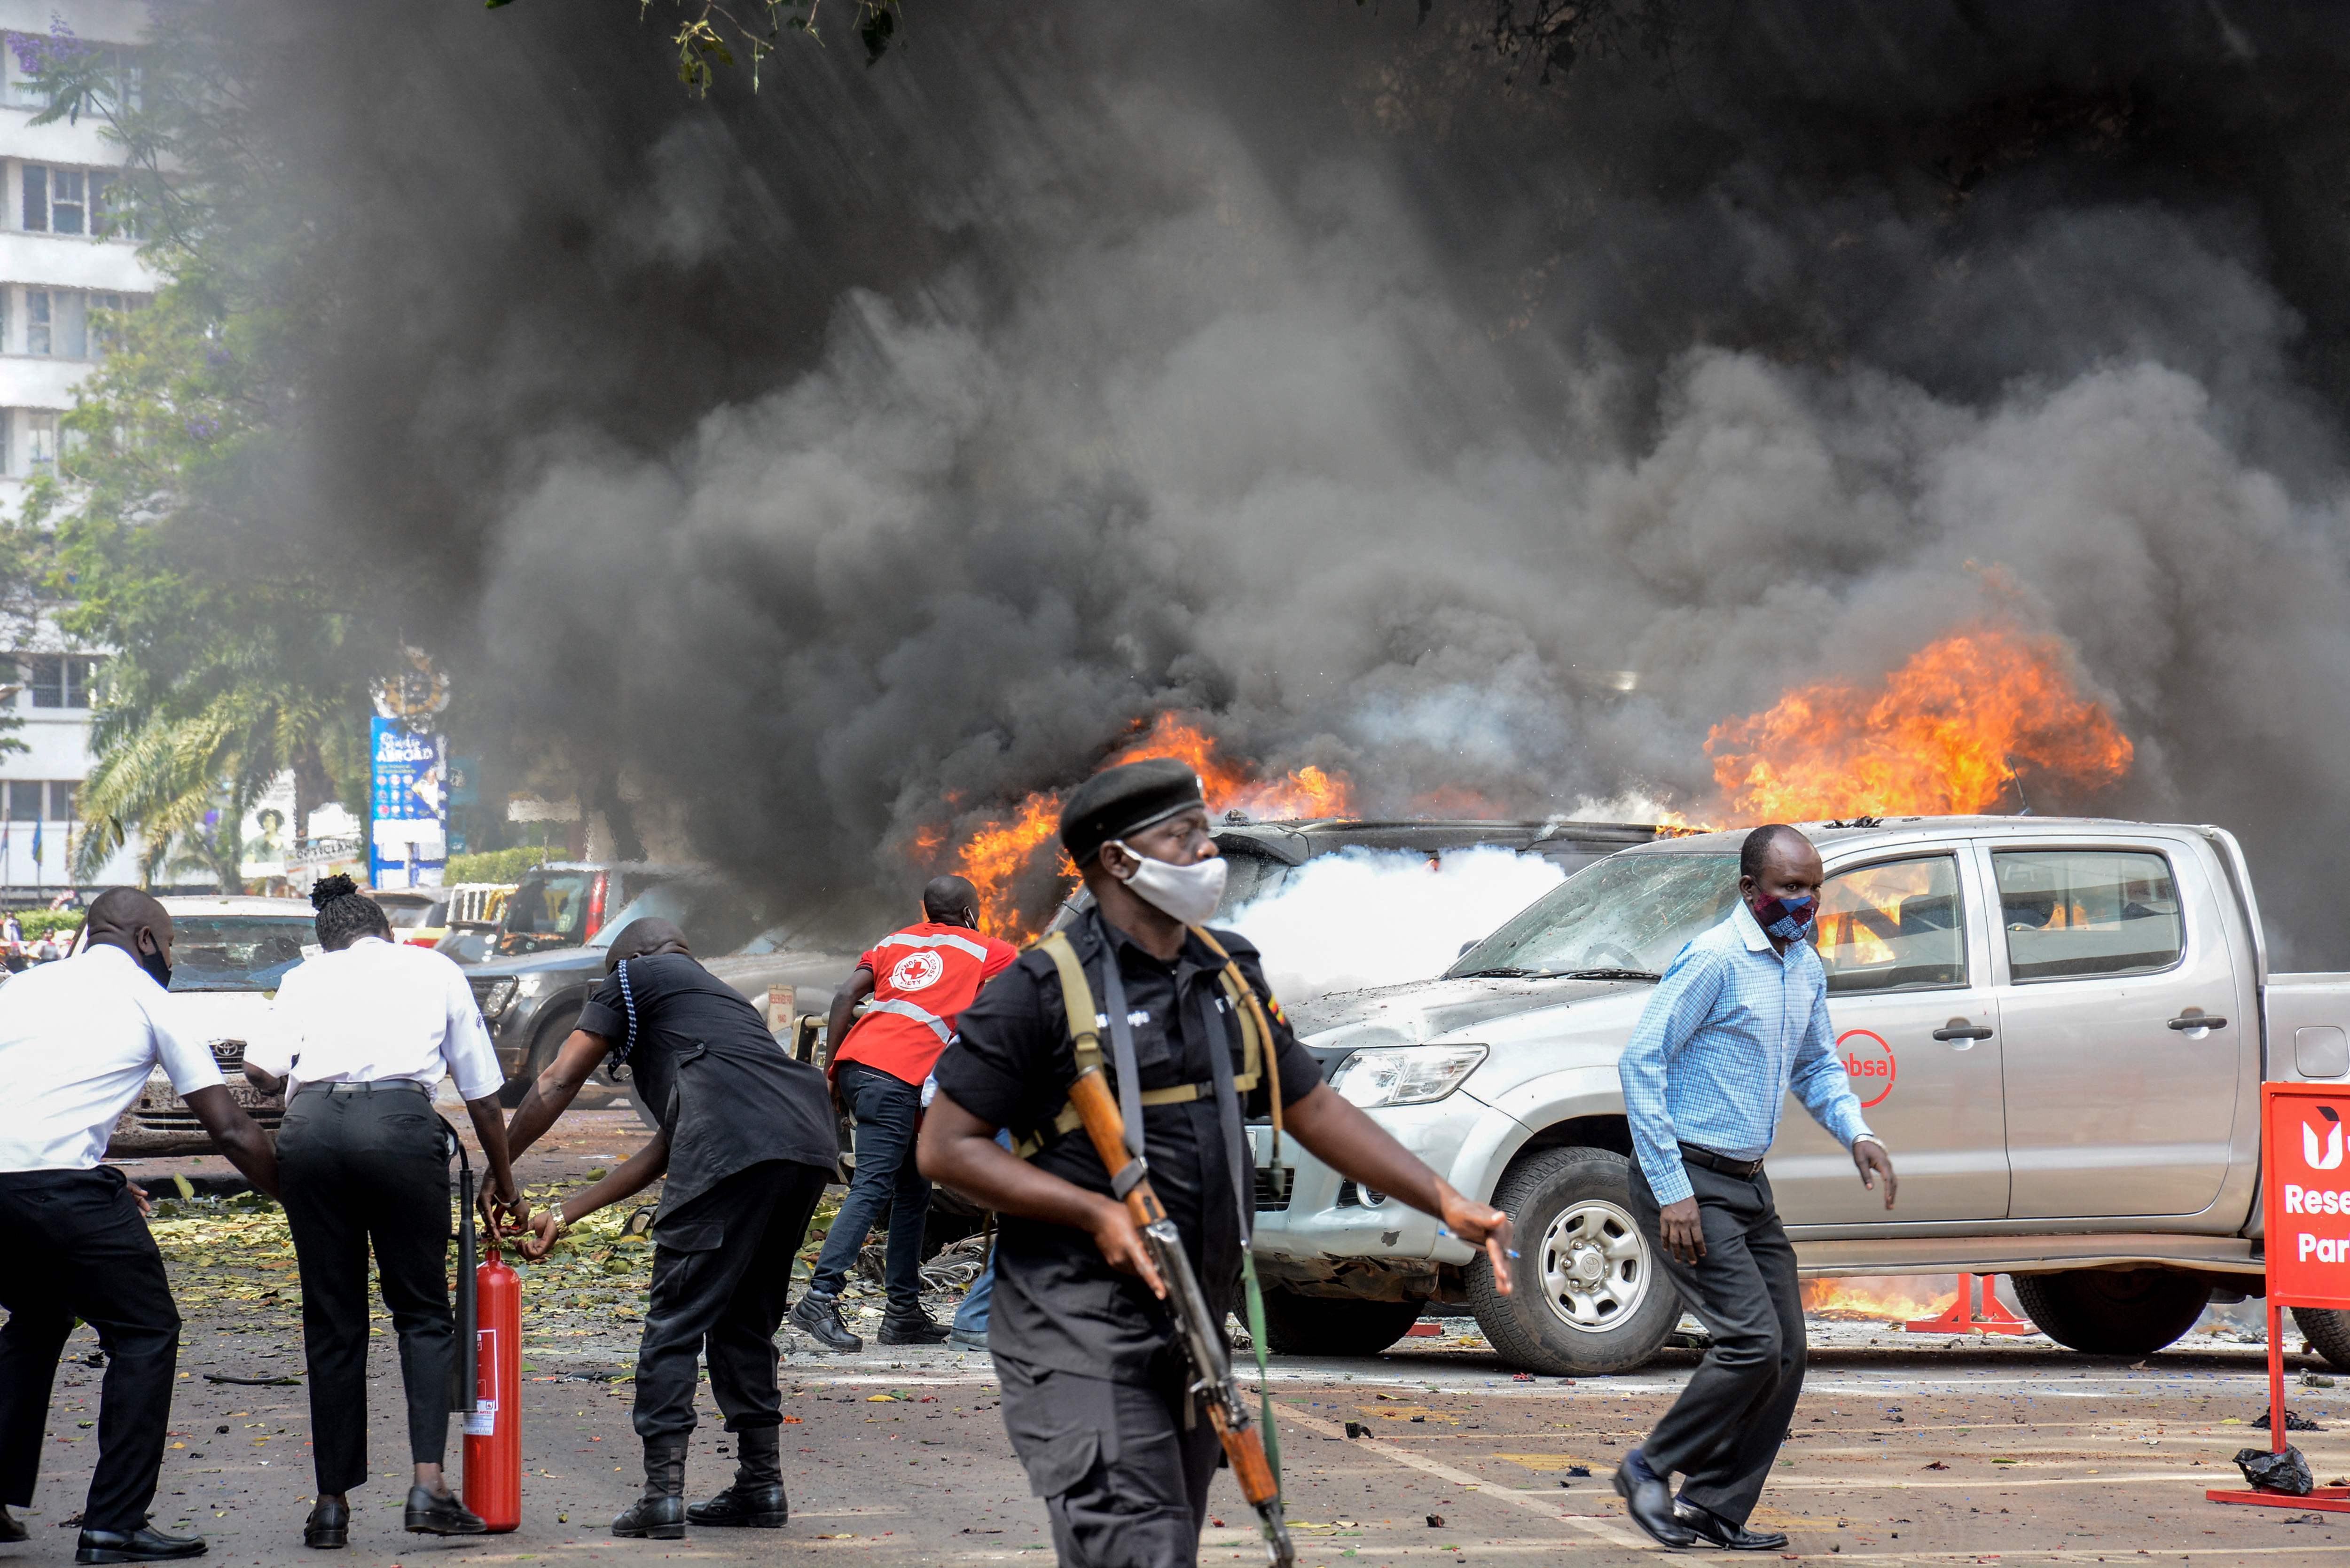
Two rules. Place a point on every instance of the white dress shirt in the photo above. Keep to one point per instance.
(77, 1039)
(377, 1010)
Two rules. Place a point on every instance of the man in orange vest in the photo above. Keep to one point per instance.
(920, 979)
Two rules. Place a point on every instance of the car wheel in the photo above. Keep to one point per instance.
(1588, 1296)
(2328, 1329)
(2113, 1312)
(543, 1046)
(1332, 1325)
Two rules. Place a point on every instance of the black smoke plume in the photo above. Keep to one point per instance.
(861, 454)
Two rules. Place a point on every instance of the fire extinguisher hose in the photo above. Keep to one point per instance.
(462, 1382)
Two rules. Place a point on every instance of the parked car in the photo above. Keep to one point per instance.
(564, 904)
(531, 1002)
(418, 914)
(2059, 1027)
(229, 955)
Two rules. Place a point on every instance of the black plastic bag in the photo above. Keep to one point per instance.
(2294, 1421)
(2286, 1472)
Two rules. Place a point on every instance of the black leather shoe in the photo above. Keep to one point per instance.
(12, 1529)
(818, 1317)
(329, 1526)
(742, 1507)
(1650, 1501)
(918, 1329)
(429, 1513)
(139, 1546)
(1715, 1530)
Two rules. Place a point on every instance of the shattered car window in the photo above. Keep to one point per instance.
(1631, 912)
(235, 952)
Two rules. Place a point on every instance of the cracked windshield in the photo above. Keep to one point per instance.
(1621, 919)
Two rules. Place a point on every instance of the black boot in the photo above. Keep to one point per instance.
(659, 1514)
(818, 1317)
(755, 1501)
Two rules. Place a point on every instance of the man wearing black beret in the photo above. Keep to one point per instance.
(1095, 1388)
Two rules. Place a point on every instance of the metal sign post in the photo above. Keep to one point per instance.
(2305, 1194)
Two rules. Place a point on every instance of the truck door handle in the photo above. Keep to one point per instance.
(1963, 1032)
(2198, 1021)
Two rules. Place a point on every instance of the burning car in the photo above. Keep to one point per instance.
(229, 955)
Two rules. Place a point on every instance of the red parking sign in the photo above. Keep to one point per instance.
(2305, 1185)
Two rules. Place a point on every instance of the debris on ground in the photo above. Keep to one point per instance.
(2294, 1421)
(2287, 1472)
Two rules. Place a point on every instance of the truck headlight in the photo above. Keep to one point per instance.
(497, 999)
(1405, 1074)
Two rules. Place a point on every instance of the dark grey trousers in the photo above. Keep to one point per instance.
(1124, 1479)
(361, 1170)
(721, 1278)
(1725, 1430)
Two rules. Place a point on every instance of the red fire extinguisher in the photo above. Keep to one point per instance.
(494, 1427)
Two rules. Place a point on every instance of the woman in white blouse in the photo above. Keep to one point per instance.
(359, 1035)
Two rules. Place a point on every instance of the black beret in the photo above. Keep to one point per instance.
(1122, 800)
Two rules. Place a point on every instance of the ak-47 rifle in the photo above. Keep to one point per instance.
(1203, 1339)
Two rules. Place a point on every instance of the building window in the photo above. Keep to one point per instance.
(61, 799)
(38, 337)
(55, 199)
(57, 680)
(25, 798)
(40, 439)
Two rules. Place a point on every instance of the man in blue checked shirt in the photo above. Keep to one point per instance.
(1740, 1019)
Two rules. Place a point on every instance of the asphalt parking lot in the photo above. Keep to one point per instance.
(1906, 1449)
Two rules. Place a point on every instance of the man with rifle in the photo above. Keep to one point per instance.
(1139, 1035)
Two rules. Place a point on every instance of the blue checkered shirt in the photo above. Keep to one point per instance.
(1731, 1028)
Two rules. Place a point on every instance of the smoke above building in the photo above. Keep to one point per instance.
(849, 460)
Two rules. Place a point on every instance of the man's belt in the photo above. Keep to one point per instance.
(372, 1087)
(1743, 1169)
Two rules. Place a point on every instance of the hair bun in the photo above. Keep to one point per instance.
(325, 889)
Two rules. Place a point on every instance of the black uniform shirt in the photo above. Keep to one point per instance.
(728, 1097)
(1057, 1305)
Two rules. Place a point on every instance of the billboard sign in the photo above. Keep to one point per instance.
(408, 803)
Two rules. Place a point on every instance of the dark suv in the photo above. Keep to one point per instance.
(531, 1002)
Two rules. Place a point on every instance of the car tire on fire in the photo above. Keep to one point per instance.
(2328, 1332)
(1298, 1324)
(1588, 1297)
(2113, 1312)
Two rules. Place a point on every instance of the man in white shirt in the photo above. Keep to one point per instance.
(77, 1040)
(360, 1034)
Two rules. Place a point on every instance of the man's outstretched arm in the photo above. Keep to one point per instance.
(1358, 1148)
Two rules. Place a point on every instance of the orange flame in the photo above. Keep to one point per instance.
(997, 854)
(1947, 733)
(1887, 1298)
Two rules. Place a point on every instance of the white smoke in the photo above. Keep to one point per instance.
(1365, 918)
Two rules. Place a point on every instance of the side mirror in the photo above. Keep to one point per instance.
(1471, 942)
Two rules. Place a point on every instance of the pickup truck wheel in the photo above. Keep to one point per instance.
(1332, 1325)
(1588, 1297)
(2113, 1312)
(2328, 1329)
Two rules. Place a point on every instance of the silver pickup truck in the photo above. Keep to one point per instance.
(2058, 1027)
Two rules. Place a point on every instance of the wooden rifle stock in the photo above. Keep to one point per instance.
(1203, 1340)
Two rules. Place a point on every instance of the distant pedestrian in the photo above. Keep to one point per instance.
(920, 980)
(77, 1040)
(746, 1143)
(359, 1036)
(1740, 1019)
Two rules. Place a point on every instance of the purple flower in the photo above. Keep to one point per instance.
(204, 428)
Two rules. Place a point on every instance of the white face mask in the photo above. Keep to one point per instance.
(1189, 893)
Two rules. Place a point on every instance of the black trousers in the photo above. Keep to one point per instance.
(1123, 1473)
(1728, 1425)
(360, 1169)
(74, 1246)
(722, 1278)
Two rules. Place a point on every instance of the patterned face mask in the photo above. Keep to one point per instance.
(1789, 920)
